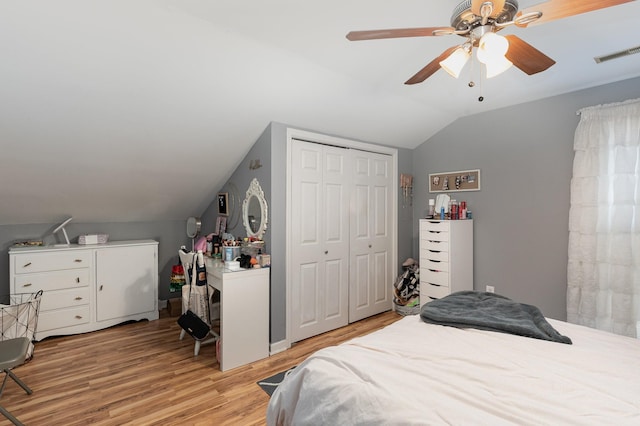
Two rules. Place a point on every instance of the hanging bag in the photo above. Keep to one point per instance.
(193, 324)
(189, 321)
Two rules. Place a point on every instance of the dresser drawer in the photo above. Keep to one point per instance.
(432, 245)
(64, 299)
(434, 265)
(434, 236)
(39, 262)
(434, 226)
(430, 292)
(431, 276)
(439, 255)
(60, 318)
(56, 280)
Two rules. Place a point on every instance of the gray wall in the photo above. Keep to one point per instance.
(525, 154)
(405, 210)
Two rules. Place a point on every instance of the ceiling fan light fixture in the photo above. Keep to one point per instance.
(492, 45)
(497, 66)
(491, 52)
(456, 61)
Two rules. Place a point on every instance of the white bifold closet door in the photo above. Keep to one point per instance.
(320, 252)
(341, 238)
(370, 276)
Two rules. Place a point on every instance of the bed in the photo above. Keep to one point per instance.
(417, 373)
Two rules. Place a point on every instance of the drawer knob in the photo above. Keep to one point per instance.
(78, 260)
(326, 252)
(26, 285)
(369, 245)
(436, 285)
(78, 316)
(26, 265)
(78, 298)
(78, 280)
(101, 288)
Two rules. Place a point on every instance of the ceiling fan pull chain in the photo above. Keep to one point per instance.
(481, 98)
(473, 61)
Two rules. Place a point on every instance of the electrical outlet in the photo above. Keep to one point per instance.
(490, 289)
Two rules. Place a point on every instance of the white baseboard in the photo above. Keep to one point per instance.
(277, 347)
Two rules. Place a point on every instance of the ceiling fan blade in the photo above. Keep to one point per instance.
(526, 57)
(431, 67)
(476, 7)
(558, 9)
(396, 33)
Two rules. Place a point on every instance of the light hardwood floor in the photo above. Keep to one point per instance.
(142, 374)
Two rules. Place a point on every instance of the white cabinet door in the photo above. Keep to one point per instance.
(320, 239)
(370, 272)
(126, 281)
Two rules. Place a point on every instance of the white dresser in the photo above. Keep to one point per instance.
(88, 287)
(244, 313)
(446, 257)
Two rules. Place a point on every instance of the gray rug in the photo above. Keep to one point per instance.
(270, 384)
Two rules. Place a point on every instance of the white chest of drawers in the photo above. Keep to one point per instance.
(446, 258)
(87, 288)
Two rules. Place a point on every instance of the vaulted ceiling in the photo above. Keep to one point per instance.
(128, 110)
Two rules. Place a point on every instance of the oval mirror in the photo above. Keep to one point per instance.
(193, 227)
(254, 211)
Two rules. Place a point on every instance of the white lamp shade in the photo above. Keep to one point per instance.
(493, 44)
(497, 65)
(491, 50)
(455, 62)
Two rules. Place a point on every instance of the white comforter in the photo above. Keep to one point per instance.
(416, 373)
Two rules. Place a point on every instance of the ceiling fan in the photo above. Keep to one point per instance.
(478, 21)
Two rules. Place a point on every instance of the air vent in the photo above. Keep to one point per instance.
(617, 55)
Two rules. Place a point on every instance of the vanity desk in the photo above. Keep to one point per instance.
(244, 313)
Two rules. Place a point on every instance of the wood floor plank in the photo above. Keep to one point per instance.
(142, 374)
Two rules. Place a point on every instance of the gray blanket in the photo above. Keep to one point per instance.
(489, 311)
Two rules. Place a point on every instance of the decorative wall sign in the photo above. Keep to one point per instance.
(223, 203)
(464, 180)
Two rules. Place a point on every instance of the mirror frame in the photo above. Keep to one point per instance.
(255, 191)
(193, 226)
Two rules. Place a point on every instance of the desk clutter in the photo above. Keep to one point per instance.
(443, 207)
(248, 252)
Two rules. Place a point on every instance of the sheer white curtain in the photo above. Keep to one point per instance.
(604, 220)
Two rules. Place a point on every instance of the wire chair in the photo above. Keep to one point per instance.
(19, 317)
(18, 323)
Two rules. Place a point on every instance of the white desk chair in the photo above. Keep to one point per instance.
(199, 300)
